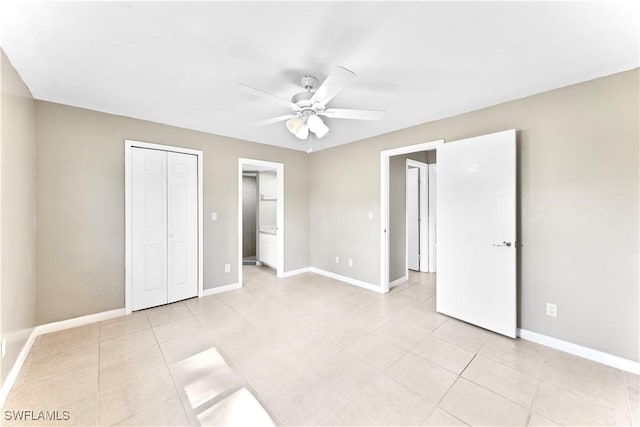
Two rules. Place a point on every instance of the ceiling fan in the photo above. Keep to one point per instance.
(308, 105)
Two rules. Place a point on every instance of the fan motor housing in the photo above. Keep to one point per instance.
(305, 97)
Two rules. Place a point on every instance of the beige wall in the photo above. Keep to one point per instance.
(17, 202)
(578, 213)
(80, 184)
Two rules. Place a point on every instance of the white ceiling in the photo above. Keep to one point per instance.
(179, 63)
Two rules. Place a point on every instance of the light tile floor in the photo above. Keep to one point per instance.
(308, 350)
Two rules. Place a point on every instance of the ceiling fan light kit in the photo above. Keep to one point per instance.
(301, 125)
(297, 127)
(309, 105)
(317, 126)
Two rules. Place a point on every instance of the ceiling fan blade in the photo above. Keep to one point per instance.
(341, 113)
(263, 94)
(273, 120)
(333, 84)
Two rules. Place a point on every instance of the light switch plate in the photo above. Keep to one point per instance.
(350, 262)
(227, 268)
(214, 216)
(370, 215)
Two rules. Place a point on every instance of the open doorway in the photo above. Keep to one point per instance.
(411, 239)
(261, 216)
(421, 212)
(394, 254)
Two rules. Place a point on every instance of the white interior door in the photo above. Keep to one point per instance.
(182, 203)
(413, 219)
(423, 221)
(432, 219)
(476, 231)
(149, 227)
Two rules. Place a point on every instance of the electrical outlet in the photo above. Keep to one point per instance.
(350, 262)
(4, 347)
(337, 260)
(552, 310)
(227, 268)
(214, 216)
(370, 215)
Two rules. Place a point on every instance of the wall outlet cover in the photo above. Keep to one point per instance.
(552, 310)
(350, 262)
(337, 260)
(227, 268)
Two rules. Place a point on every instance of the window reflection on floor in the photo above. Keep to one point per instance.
(216, 393)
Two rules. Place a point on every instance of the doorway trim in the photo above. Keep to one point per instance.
(128, 145)
(431, 172)
(279, 168)
(384, 201)
(423, 238)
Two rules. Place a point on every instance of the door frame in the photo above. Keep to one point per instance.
(433, 196)
(384, 201)
(128, 145)
(423, 225)
(279, 168)
(257, 177)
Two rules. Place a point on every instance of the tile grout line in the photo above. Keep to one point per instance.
(458, 376)
(335, 391)
(582, 396)
(175, 386)
(535, 396)
(626, 389)
(450, 414)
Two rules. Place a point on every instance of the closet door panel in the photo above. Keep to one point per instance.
(149, 228)
(182, 193)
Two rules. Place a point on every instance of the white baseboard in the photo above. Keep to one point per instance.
(348, 280)
(296, 272)
(398, 281)
(17, 366)
(45, 329)
(78, 321)
(221, 289)
(578, 350)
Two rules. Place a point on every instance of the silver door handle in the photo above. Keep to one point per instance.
(507, 244)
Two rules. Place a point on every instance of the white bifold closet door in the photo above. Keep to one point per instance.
(164, 191)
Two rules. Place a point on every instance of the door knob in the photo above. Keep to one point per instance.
(507, 244)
